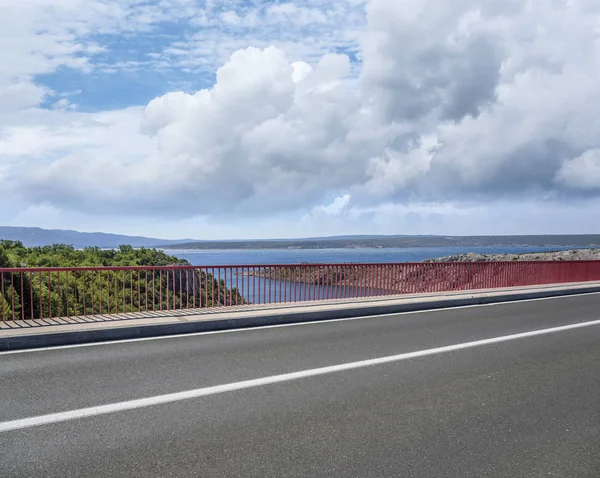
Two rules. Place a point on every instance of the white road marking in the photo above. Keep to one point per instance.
(259, 382)
(295, 324)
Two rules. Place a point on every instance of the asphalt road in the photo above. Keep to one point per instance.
(523, 407)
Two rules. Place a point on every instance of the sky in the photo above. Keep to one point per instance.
(239, 119)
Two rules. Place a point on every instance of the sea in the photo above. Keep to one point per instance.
(339, 256)
(262, 291)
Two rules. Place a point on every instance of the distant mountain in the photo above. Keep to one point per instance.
(354, 242)
(35, 236)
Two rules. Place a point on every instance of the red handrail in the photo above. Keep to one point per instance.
(50, 292)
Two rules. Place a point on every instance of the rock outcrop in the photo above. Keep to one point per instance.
(571, 255)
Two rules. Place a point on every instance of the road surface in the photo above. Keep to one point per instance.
(435, 398)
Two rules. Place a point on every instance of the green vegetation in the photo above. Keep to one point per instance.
(61, 255)
(53, 293)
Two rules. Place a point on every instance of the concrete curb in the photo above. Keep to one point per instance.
(123, 332)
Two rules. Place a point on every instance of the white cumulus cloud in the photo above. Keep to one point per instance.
(582, 172)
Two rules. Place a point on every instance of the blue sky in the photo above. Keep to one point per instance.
(241, 119)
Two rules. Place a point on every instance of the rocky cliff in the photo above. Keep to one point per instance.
(571, 255)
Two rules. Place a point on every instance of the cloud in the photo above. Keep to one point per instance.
(430, 58)
(262, 132)
(335, 208)
(303, 29)
(498, 85)
(582, 172)
(449, 103)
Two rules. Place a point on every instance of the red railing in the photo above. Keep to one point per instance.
(39, 293)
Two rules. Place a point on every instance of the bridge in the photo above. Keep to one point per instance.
(486, 369)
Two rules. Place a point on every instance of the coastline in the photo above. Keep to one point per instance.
(568, 255)
(411, 276)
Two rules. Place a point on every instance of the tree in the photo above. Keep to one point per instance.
(50, 294)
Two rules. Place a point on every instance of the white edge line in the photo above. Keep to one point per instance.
(295, 324)
(274, 379)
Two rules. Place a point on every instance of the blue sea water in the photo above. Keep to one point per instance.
(263, 290)
(338, 256)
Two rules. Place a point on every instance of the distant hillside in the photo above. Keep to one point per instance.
(350, 242)
(35, 236)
